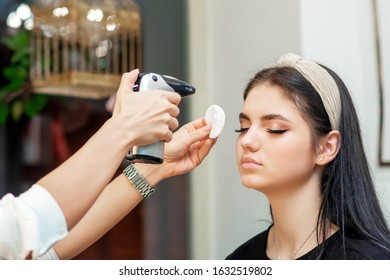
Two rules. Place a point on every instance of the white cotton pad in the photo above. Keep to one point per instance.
(216, 117)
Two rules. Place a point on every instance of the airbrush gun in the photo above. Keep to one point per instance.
(154, 153)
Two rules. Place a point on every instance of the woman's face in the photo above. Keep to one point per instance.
(274, 148)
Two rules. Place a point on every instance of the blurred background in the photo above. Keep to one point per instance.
(46, 113)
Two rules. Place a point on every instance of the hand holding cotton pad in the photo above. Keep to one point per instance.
(216, 117)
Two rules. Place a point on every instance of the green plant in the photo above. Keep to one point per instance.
(16, 97)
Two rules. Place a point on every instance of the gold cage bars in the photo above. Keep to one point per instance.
(81, 48)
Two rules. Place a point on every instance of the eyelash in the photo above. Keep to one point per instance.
(277, 131)
(272, 131)
(241, 130)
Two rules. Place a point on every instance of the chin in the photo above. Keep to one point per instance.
(256, 182)
(253, 183)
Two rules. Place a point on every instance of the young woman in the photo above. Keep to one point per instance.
(300, 144)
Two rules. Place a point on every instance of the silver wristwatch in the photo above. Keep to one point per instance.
(138, 181)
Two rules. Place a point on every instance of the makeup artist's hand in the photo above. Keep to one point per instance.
(147, 117)
(189, 146)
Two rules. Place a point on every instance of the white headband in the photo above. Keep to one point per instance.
(322, 82)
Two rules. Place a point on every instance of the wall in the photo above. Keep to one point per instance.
(228, 42)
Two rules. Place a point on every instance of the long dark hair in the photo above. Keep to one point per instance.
(349, 199)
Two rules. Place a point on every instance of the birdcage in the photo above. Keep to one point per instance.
(81, 48)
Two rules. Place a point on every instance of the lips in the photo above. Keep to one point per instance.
(248, 162)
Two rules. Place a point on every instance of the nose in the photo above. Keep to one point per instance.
(250, 140)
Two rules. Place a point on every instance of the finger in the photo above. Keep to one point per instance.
(197, 135)
(128, 80)
(174, 111)
(196, 124)
(173, 124)
(205, 149)
(191, 126)
(199, 123)
(198, 145)
(168, 136)
(173, 97)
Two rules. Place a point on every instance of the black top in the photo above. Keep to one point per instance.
(356, 249)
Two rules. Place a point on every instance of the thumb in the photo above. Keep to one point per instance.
(128, 80)
(125, 87)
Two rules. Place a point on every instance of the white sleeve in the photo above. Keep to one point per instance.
(32, 222)
(49, 255)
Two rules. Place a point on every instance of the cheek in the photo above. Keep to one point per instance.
(289, 149)
(292, 155)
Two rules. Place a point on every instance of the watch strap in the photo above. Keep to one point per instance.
(138, 181)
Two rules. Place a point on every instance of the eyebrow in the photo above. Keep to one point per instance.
(267, 117)
(243, 116)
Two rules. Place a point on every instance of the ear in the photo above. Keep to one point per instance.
(329, 147)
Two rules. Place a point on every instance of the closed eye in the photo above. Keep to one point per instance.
(242, 129)
(277, 131)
